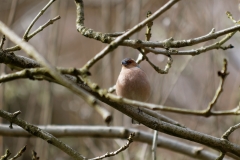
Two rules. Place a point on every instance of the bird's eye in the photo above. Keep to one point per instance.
(128, 61)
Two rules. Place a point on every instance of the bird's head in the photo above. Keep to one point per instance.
(129, 63)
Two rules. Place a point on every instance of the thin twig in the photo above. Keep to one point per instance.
(51, 21)
(216, 45)
(6, 155)
(235, 111)
(156, 68)
(90, 33)
(222, 74)
(221, 156)
(2, 41)
(230, 130)
(147, 37)
(149, 27)
(143, 53)
(229, 14)
(19, 154)
(130, 140)
(25, 36)
(34, 155)
(112, 89)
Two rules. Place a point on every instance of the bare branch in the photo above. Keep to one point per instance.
(157, 69)
(25, 36)
(235, 111)
(114, 44)
(230, 130)
(221, 156)
(147, 38)
(222, 74)
(217, 45)
(19, 154)
(149, 27)
(34, 155)
(6, 155)
(231, 17)
(112, 89)
(130, 140)
(91, 100)
(161, 117)
(32, 129)
(51, 21)
(2, 41)
(18, 62)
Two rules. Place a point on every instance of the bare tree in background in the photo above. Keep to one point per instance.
(62, 79)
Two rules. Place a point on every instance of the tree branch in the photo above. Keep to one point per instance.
(51, 21)
(26, 36)
(230, 130)
(41, 134)
(19, 154)
(130, 140)
(169, 43)
(114, 44)
(2, 41)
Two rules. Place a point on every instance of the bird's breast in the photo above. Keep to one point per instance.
(133, 84)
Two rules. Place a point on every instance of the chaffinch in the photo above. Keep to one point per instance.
(132, 82)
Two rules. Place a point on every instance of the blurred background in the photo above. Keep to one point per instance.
(191, 82)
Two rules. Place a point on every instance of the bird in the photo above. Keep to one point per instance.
(132, 82)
